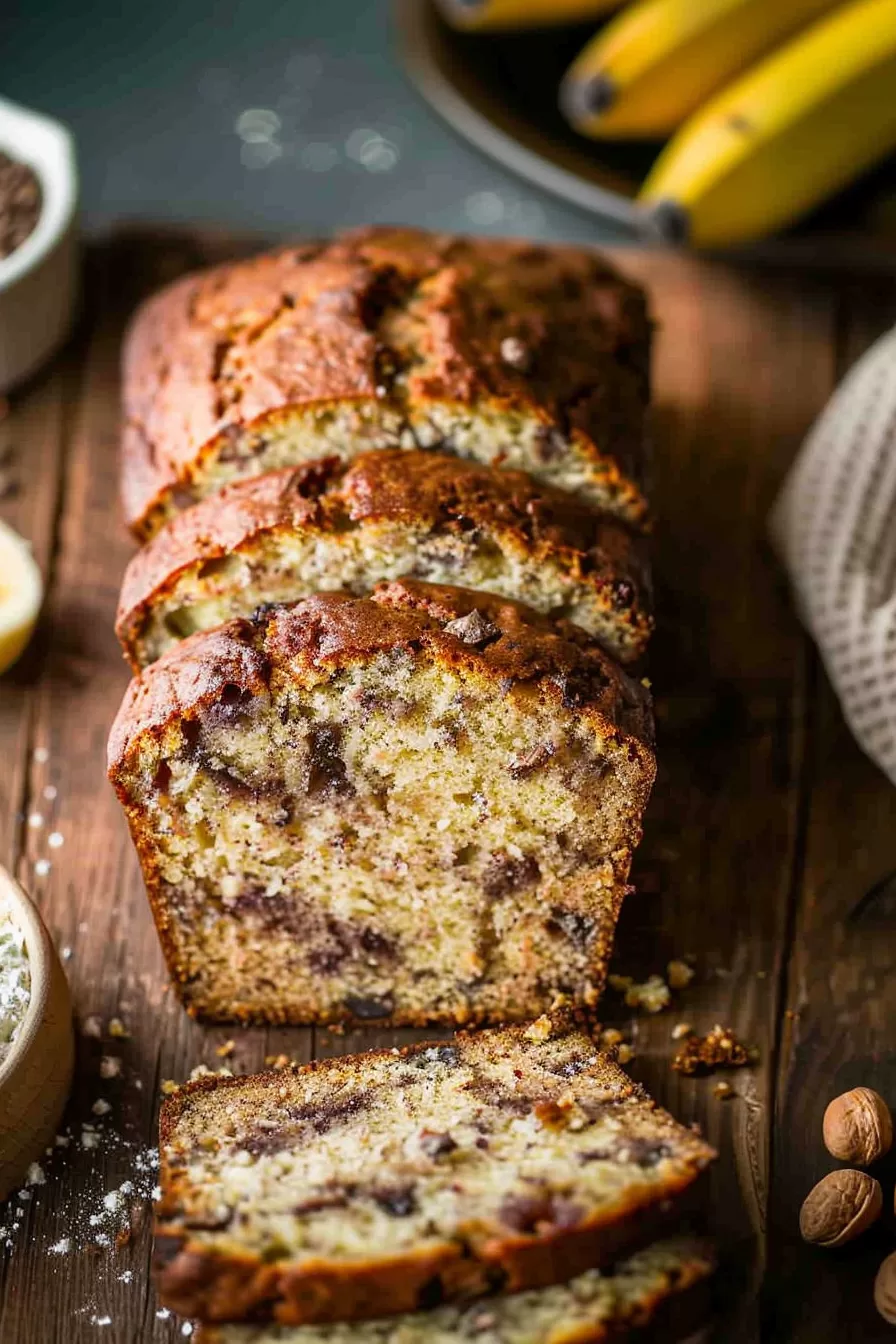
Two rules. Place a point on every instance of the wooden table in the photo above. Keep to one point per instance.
(766, 832)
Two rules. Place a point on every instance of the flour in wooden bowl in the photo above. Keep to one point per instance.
(15, 980)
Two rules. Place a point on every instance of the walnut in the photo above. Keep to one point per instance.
(840, 1207)
(858, 1127)
(885, 1289)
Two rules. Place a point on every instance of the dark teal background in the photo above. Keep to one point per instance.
(153, 89)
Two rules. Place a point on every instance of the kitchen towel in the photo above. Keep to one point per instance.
(834, 525)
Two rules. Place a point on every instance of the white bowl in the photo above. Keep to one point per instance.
(39, 280)
(36, 1074)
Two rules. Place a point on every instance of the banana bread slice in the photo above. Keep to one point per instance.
(288, 534)
(658, 1294)
(418, 807)
(395, 1180)
(511, 353)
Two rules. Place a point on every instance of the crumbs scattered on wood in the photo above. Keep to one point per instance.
(718, 1049)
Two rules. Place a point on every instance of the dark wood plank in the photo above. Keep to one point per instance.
(743, 361)
(841, 999)
(33, 425)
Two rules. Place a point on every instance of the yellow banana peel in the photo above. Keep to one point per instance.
(660, 60)
(797, 127)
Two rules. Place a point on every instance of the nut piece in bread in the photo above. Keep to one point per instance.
(511, 353)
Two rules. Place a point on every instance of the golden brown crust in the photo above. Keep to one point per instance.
(505, 641)
(670, 1313)
(552, 332)
(425, 490)
(215, 1286)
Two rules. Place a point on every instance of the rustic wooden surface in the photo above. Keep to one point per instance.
(769, 842)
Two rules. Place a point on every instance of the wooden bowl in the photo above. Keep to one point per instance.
(36, 1074)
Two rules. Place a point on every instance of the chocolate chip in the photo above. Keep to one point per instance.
(644, 1153)
(376, 944)
(530, 761)
(324, 1114)
(431, 1295)
(446, 1055)
(623, 593)
(211, 1222)
(165, 1249)
(550, 445)
(578, 688)
(337, 1199)
(435, 1144)
(398, 1200)
(505, 875)
(568, 1068)
(326, 770)
(578, 928)
(161, 780)
(326, 960)
(474, 628)
(368, 1008)
(524, 1213)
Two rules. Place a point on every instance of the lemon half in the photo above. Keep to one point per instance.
(21, 591)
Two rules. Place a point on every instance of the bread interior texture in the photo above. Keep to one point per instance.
(398, 841)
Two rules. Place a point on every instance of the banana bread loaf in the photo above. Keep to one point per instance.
(511, 353)
(660, 1290)
(395, 1180)
(416, 807)
(288, 534)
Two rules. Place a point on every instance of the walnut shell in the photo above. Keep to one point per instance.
(885, 1289)
(858, 1127)
(840, 1207)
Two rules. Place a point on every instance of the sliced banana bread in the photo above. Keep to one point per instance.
(395, 1180)
(658, 1293)
(512, 353)
(288, 534)
(418, 806)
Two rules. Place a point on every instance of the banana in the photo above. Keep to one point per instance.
(655, 64)
(482, 14)
(783, 137)
(21, 592)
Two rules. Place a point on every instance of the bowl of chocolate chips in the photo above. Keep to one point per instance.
(38, 246)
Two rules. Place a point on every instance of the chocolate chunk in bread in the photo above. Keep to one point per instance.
(311, 856)
(389, 338)
(283, 536)
(365, 1217)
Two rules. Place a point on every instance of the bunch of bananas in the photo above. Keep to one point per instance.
(769, 106)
